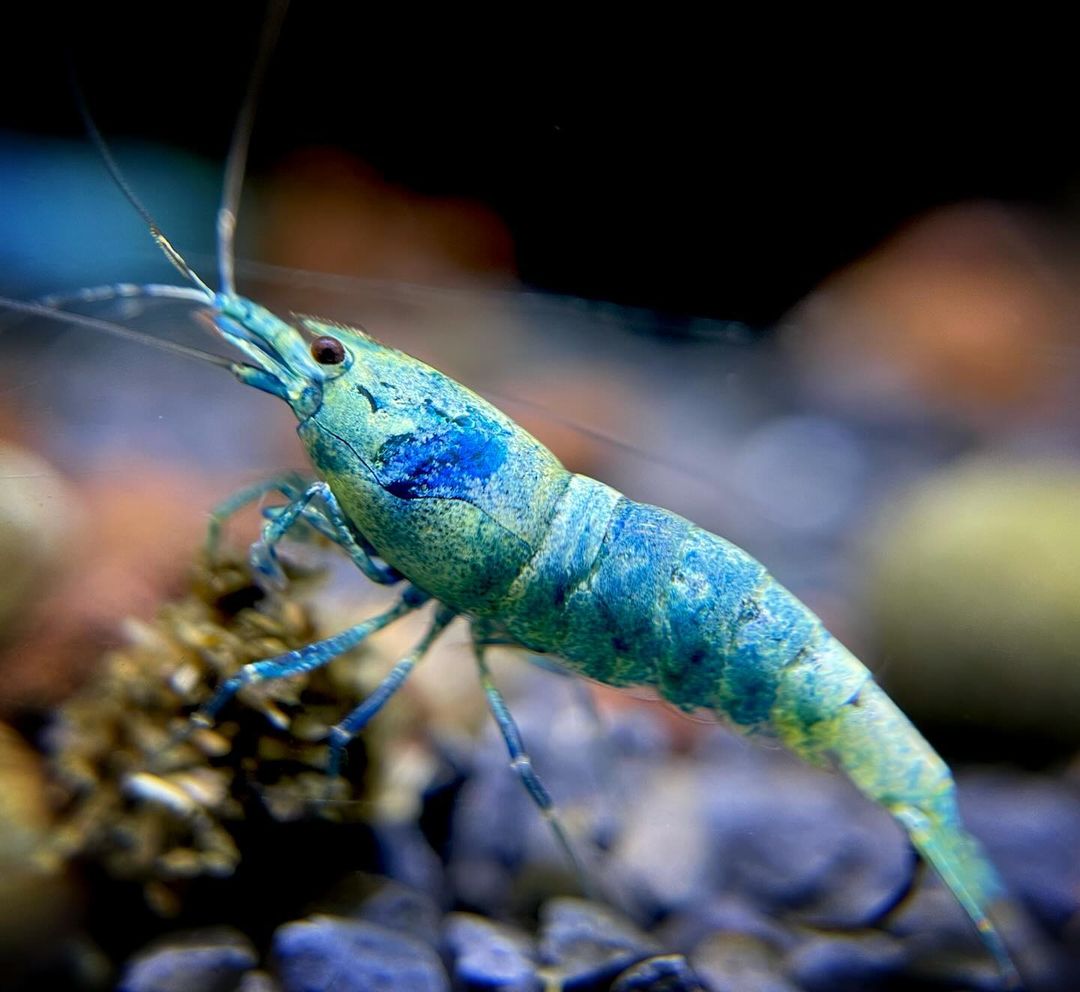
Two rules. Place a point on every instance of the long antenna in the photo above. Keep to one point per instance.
(122, 184)
(117, 330)
(122, 291)
(236, 162)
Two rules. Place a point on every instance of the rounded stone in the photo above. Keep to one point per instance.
(663, 973)
(585, 942)
(213, 961)
(489, 955)
(353, 956)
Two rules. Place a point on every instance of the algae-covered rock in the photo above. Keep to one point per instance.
(152, 799)
(976, 590)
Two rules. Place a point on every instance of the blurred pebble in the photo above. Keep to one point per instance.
(636, 733)
(823, 466)
(517, 864)
(976, 588)
(665, 840)
(353, 956)
(405, 854)
(848, 963)
(405, 910)
(931, 923)
(786, 837)
(37, 517)
(944, 950)
(490, 955)
(735, 962)
(322, 199)
(258, 981)
(145, 523)
(1031, 828)
(664, 973)
(213, 961)
(720, 914)
(968, 309)
(585, 943)
(484, 858)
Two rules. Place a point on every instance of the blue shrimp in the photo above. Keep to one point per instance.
(428, 487)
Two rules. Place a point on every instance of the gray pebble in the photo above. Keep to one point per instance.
(586, 943)
(721, 915)
(664, 973)
(739, 962)
(209, 961)
(1020, 817)
(258, 981)
(354, 956)
(490, 955)
(575, 759)
(406, 910)
(405, 855)
(658, 861)
(792, 837)
(848, 964)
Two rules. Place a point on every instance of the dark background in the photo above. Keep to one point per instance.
(719, 169)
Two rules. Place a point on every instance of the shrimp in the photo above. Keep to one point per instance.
(430, 488)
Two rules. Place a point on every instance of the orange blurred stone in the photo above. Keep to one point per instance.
(327, 211)
(963, 309)
(140, 528)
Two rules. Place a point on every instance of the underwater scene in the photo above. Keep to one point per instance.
(401, 702)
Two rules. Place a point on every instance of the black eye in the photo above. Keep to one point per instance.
(328, 351)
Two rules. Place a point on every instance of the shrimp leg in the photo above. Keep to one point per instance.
(306, 659)
(342, 733)
(289, 484)
(522, 765)
(263, 555)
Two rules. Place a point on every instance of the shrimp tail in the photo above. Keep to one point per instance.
(830, 710)
(956, 856)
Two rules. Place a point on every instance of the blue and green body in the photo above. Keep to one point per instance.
(478, 515)
(425, 484)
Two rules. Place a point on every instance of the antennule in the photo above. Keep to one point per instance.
(122, 291)
(117, 330)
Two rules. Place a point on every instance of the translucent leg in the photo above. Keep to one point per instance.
(347, 729)
(305, 659)
(263, 556)
(521, 764)
(289, 484)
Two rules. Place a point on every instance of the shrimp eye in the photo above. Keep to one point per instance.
(328, 351)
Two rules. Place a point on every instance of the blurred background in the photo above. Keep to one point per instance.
(829, 313)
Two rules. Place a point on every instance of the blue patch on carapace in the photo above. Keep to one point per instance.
(447, 463)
